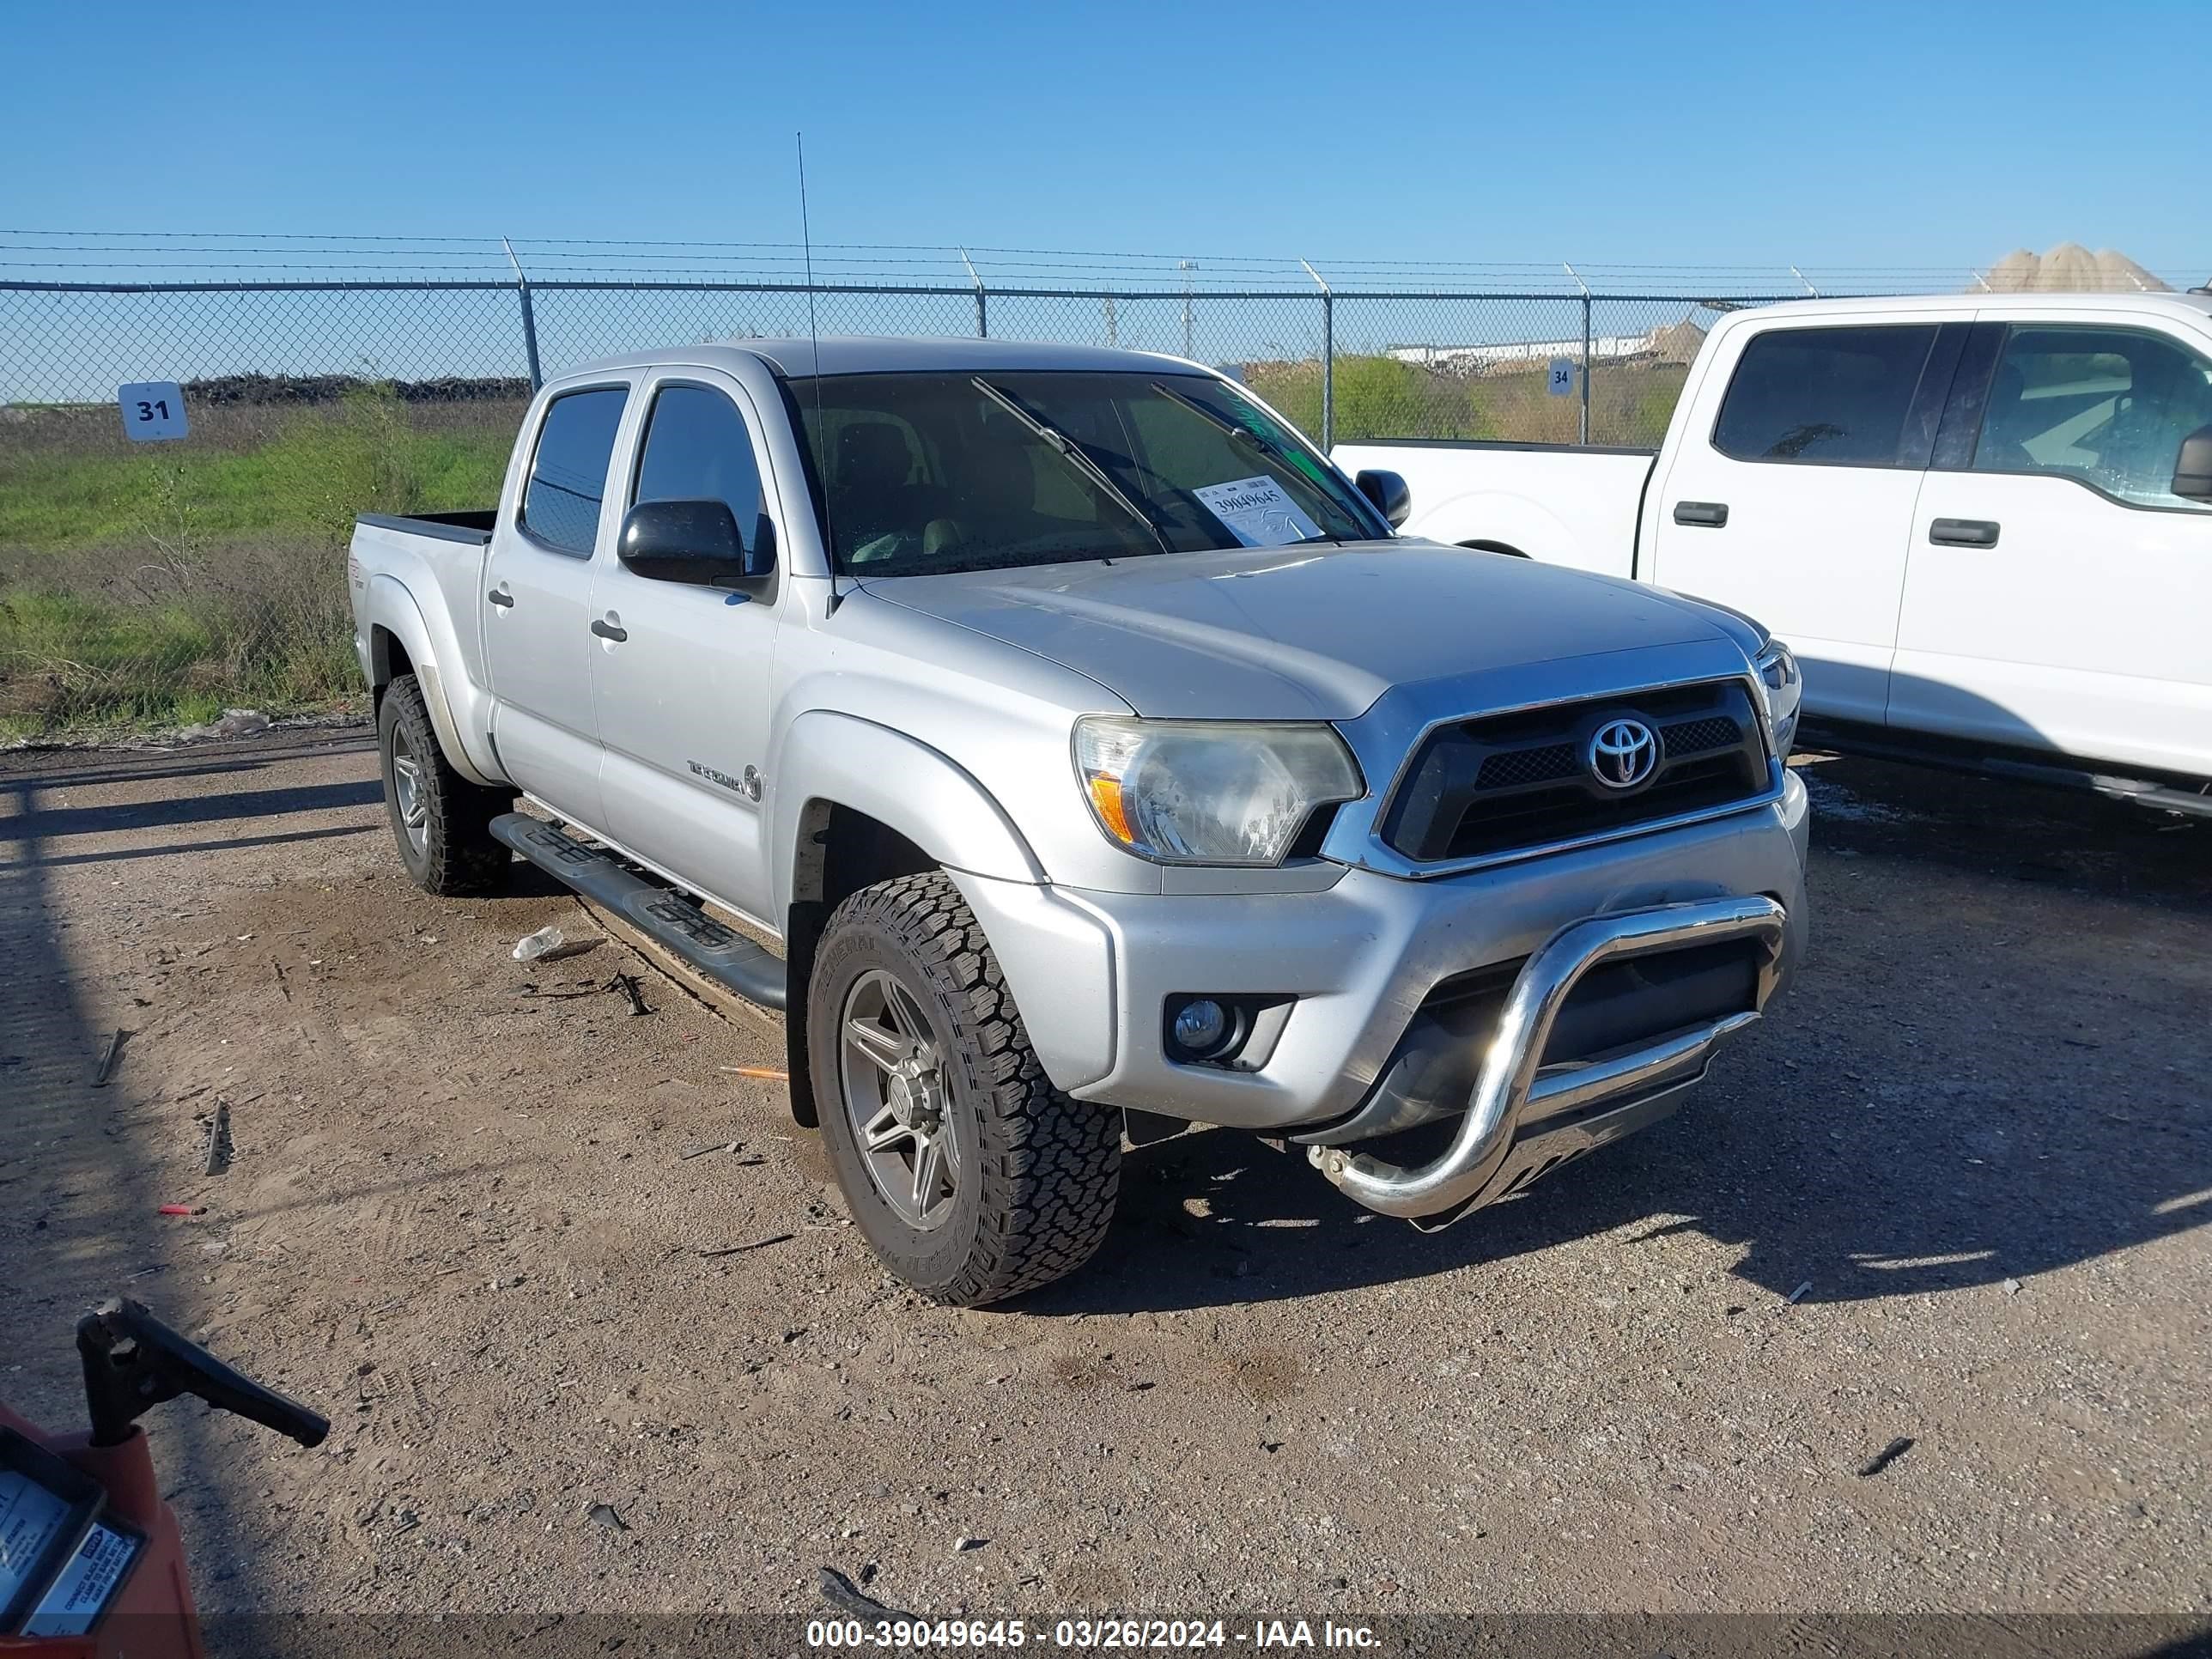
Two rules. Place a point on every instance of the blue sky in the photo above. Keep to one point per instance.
(1921, 135)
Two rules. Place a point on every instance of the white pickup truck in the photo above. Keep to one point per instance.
(1061, 742)
(1984, 521)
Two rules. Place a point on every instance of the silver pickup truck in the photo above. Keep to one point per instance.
(1067, 748)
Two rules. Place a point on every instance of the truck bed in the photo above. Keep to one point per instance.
(1570, 504)
(472, 525)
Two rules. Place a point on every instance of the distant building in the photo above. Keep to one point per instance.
(1673, 343)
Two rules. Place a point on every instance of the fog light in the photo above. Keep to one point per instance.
(1200, 1026)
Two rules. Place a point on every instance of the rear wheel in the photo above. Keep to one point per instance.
(973, 1177)
(440, 819)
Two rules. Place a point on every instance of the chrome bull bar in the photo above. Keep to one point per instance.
(1513, 1088)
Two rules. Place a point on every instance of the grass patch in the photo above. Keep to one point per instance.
(1381, 398)
(156, 585)
(273, 633)
(318, 469)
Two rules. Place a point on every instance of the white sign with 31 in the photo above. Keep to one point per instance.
(152, 409)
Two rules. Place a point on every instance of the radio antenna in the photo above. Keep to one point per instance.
(814, 343)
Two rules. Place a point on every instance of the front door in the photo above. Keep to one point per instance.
(684, 697)
(537, 608)
(1794, 507)
(2060, 592)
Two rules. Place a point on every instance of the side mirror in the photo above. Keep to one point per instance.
(2192, 468)
(1388, 491)
(694, 542)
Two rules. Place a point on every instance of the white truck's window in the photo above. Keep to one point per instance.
(2108, 406)
(1833, 395)
(940, 471)
(698, 448)
(569, 471)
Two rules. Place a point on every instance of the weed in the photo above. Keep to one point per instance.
(156, 585)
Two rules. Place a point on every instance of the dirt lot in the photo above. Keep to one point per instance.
(462, 1222)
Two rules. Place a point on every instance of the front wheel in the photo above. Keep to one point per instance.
(973, 1177)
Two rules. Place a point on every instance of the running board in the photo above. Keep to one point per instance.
(722, 954)
(1845, 739)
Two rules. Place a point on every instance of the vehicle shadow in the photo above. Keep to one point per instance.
(51, 824)
(249, 755)
(1977, 1077)
(2079, 841)
(80, 1189)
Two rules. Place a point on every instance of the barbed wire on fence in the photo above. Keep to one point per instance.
(117, 254)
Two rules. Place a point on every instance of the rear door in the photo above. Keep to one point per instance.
(537, 608)
(684, 693)
(1795, 503)
(2060, 592)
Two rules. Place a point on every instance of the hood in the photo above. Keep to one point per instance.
(1298, 632)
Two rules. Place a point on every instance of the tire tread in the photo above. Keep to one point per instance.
(461, 858)
(1058, 1160)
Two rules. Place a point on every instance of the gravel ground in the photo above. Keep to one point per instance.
(1953, 1194)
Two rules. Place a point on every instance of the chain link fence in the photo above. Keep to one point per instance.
(1382, 364)
(157, 583)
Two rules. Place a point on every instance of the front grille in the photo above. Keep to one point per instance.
(1519, 766)
(1695, 737)
(1504, 782)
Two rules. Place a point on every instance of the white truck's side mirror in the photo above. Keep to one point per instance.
(2193, 467)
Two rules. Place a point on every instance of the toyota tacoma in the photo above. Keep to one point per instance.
(1068, 750)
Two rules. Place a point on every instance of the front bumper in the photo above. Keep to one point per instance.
(1568, 1108)
(1091, 971)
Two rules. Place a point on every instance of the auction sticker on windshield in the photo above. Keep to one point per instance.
(1257, 512)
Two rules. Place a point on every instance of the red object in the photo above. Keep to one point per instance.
(152, 1616)
(179, 1209)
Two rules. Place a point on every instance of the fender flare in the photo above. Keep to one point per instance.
(392, 608)
(923, 794)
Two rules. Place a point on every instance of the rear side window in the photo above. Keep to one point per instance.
(2109, 407)
(569, 472)
(1834, 395)
(698, 448)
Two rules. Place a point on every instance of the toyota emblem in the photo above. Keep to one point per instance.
(1622, 754)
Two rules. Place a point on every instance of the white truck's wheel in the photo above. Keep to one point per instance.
(974, 1178)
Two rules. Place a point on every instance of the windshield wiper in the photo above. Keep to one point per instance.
(1236, 428)
(1075, 455)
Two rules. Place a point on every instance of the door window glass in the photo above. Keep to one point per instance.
(2108, 406)
(1838, 395)
(698, 448)
(569, 472)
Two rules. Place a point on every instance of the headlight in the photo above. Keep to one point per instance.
(1785, 689)
(1209, 792)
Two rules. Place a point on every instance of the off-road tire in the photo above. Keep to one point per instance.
(1047, 1167)
(458, 857)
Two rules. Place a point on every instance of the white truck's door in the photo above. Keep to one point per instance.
(2060, 592)
(684, 699)
(1789, 493)
(537, 611)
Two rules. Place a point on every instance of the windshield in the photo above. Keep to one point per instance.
(956, 470)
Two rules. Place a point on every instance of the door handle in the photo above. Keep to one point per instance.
(1963, 532)
(1713, 514)
(500, 596)
(607, 630)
